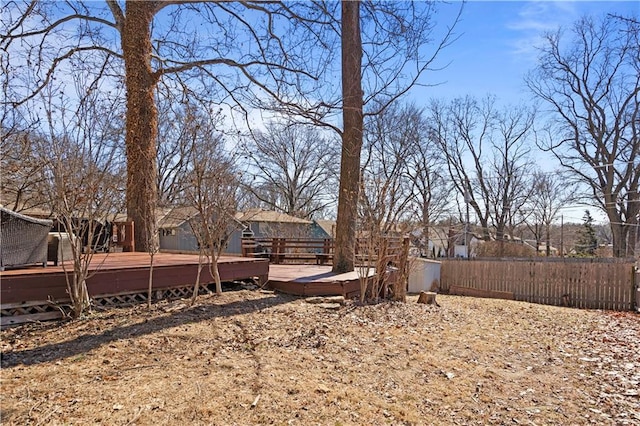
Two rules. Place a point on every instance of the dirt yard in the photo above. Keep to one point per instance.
(249, 357)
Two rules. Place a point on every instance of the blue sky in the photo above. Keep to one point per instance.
(496, 49)
(497, 43)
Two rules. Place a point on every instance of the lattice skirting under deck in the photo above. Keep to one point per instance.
(17, 313)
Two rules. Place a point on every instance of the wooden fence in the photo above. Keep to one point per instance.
(590, 284)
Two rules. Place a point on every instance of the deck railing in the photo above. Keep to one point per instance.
(320, 250)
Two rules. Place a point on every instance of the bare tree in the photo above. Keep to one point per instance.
(352, 98)
(153, 247)
(173, 150)
(426, 170)
(279, 72)
(181, 118)
(391, 51)
(152, 50)
(487, 156)
(549, 193)
(386, 49)
(510, 166)
(590, 79)
(23, 179)
(386, 197)
(388, 187)
(212, 194)
(292, 168)
(80, 158)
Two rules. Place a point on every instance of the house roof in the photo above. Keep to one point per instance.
(259, 215)
(174, 217)
(328, 226)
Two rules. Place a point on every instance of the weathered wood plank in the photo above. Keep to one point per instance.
(475, 292)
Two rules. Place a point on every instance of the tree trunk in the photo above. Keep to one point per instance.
(619, 240)
(426, 223)
(216, 277)
(547, 237)
(427, 297)
(150, 286)
(196, 286)
(351, 138)
(634, 232)
(215, 271)
(618, 231)
(142, 120)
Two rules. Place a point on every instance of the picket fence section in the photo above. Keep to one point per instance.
(589, 284)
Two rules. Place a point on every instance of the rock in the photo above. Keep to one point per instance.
(325, 299)
(330, 306)
(322, 389)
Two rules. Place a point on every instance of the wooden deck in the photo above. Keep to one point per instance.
(35, 291)
(314, 280)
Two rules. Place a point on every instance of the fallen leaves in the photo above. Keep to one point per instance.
(250, 357)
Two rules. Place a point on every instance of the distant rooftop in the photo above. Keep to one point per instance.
(259, 215)
(174, 217)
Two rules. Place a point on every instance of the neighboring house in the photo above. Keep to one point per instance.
(542, 249)
(437, 245)
(176, 233)
(267, 223)
(174, 230)
(464, 244)
(443, 241)
(102, 227)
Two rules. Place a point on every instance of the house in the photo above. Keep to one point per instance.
(542, 249)
(435, 246)
(442, 241)
(174, 230)
(100, 227)
(268, 223)
(463, 244)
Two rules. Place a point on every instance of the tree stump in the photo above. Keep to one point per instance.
(427, 297)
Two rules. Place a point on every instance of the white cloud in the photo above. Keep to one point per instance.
(533, 20)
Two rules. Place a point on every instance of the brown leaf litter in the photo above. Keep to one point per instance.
(250, 357)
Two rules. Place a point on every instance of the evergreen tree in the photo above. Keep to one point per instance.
(587, 241)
